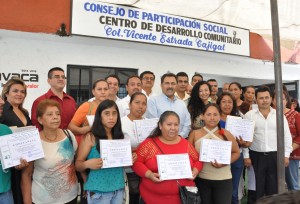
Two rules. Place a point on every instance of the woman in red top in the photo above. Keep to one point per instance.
(293, 118)
(163, 140)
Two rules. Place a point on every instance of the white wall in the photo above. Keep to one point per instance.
(36, 51)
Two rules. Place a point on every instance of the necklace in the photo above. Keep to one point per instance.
(49, 138)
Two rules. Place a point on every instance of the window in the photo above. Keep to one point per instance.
(81, 78)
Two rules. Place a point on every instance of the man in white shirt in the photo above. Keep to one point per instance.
(263, 150)
(133, 85)
(113, 85)
(182, 84)
(167, 101)
(148, 79)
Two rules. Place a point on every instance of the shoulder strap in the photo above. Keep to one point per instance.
(157, 146)
(68, 135)
(90, 108)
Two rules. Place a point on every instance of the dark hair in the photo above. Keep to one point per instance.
(113, 76)
(167, 75)
(146, 72)
(296, 101)
(217, 107)
(211, 80)
(50, 72)
(197, 74)
(182, 74)
(196, 105)
(43, 105)
(133, 76)
(287, 98)
(262, 89)
(236, 83)
(289, 197)
(235, 110)
(133, 96)
(247, 87)
(98, 129)
(157, 131)
(97, 81)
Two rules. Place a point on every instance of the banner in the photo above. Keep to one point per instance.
(97, 19)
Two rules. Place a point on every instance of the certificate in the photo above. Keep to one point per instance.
(115, 153)
(143, 128)
(22, 144)
(219, 150)
(90, 119)
(15, 129)
(240, 127)
(174, 166)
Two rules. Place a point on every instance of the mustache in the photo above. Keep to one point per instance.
(170, 89)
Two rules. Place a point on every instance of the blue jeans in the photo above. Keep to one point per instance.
(236, 170)
(292, 175)
(114, 197)
(6, 198)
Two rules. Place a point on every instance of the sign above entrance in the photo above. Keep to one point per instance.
(97, 19)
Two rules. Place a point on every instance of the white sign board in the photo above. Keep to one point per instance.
(94, 18)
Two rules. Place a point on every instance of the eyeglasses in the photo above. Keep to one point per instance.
(148, 78)
(59, 76)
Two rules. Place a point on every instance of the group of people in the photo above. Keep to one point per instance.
(187, 113)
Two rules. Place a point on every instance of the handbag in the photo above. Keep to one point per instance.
(188, 194)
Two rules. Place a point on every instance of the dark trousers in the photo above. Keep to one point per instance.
(265, 169)
(214, 191)
(133, 184)
(236, 170)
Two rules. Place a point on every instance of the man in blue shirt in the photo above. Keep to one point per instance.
(167, 101)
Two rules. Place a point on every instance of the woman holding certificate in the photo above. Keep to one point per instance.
(198, 100)
(103, 185)
(14, 114)
(228, 106)
(137, 106)
(79, 124)
(215, 180)
(164, 140)
(51, 179)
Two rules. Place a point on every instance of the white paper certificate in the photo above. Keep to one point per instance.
(115, 153)
(240, 127)
(219, 150)
(143, 128)
(23, 144)
(90, 119)
(174, 166)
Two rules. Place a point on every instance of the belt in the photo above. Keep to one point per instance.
(264, 153)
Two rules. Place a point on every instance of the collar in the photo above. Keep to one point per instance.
(50, 94)
(7, 106)
(168, 99)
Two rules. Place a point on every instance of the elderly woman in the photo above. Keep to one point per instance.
(215, 180)
(13, 94)
(51, 179)
(163, 140)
